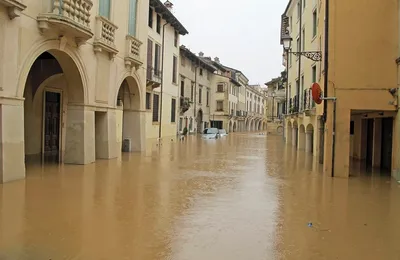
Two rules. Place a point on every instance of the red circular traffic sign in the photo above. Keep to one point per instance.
(316, 93)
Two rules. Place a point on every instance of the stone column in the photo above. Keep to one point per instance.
(80, 136)
(106, 135)
(294, 137)
(133, 129)
(309, 141)
(377, 146)
(12, 149)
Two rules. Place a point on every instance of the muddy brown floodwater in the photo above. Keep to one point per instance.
(243, 197)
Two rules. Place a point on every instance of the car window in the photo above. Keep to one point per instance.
(211, 131)
(222, 131)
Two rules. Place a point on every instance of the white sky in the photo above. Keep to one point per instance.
(243, 34)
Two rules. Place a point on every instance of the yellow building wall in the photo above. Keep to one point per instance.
(363, 47)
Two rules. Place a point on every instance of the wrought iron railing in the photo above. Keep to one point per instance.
(153, 74)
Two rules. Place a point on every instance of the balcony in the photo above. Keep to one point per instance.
(153, 77)
(308, 103)
(68, 18)
(132, 56)
(14, 7)
(184, 104)
(105, 37)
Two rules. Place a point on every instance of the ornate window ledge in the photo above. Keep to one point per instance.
(14, 7)
(105, 36)
(132, 56)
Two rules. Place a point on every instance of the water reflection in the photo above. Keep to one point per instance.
(241, 197)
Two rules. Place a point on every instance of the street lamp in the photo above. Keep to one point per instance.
(273, 106)
(312, 55)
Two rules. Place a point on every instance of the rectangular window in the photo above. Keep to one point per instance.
(201, 72)
(182, 88)
(200, 94)
(298, 10)
(174, 69)
(156, 99)
(304, 40)
(314, 74)
(220, 88)
(173, 110)
(298, 45)
(192, 92)
(208, 75)
(149, 58)
(180, 124)
(158, 26)
(104, 8)
(314, 18)
(157, 59)
(176, 39)
(148, 100)
(150, 21)
(132, 17)
(183, 61)
(220, 105)
(208, 97)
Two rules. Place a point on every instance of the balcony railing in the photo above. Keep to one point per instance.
(132, 57)
(307, 100)
(153, 77)
(71, 17)
(105, 36)
(14, 7)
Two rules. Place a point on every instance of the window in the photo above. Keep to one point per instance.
(156, 99)
(182, 88)
(174, 69)
(314, 73)
(157, 60)
(173, 110)
(192, 66)
(183, 61)
(298, 45)
(149, 58)
(150, 22)
(208, 75)
(158, 26)
(176, 39)
(208, 97)
(302, 83)
(220, 105)
(200, 94)
(104, 8)
(192, 92)
(201, 72)
(303, 40)
(314, 19)
(132, 17)
(148, 100)
(220, 88)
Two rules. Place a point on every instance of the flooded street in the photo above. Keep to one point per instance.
(243, 197)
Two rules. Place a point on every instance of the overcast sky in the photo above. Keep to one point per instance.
(243, 34)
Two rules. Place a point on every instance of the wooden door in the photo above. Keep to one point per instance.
(52, 127)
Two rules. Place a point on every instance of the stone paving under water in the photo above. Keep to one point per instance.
(243, 197)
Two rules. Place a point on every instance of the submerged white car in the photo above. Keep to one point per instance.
(210, 133)
(222, 132)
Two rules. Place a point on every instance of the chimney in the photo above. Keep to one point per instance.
(216, 59)
(169, 5)
(201, 54)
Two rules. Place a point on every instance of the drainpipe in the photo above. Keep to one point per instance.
(301, 47)
(162, 81)
(326, 81)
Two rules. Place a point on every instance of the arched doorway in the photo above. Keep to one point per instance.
(128, 117)
(57, 127)
(302, 137)
(260, 125)
(234, 127)
(230, 127)
(200, 121)
(289, 133)
(310, 138)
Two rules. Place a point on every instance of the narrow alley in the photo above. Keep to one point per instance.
(247, 196)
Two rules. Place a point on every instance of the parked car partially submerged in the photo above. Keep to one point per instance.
(222, 132)
(210, 133)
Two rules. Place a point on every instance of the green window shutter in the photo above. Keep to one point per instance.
(132, 17)
(104, 8)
